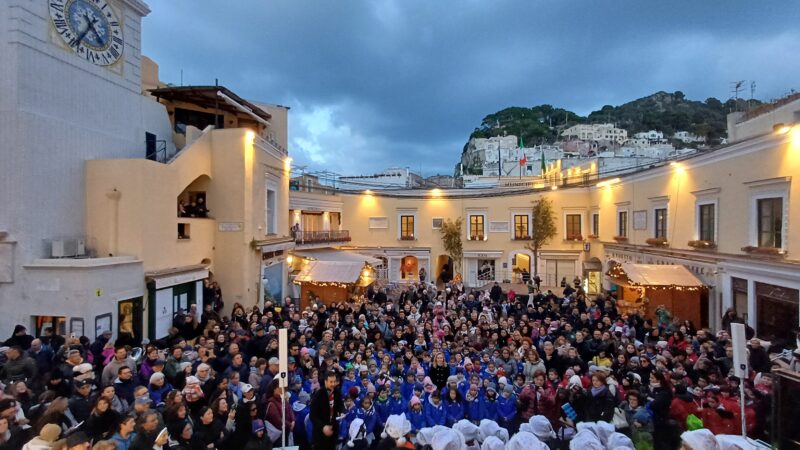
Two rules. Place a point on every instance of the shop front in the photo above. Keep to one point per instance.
(767, 297)
(169, 291)
(483, 267)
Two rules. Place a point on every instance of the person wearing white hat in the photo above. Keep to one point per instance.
(448, 439)
(470, 431)
(491, 428)
(701, 439)
(394, 432)
(585, 440)
(618, 441)
(541, 427)
(493, 443)
(357, 435)
(525, 441)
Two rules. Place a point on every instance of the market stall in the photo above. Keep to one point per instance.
(643, 288)
(332, 281)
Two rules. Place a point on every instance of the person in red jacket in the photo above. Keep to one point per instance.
(718, 419)
(685, 402)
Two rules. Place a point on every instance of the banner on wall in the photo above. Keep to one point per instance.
(272, 283)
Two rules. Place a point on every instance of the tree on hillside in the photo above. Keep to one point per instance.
(451, 240)
(542, 230)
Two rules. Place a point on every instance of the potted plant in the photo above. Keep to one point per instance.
(621, 238)
(657, 242)
(575, 237)
(594, 236)
(702, 245)
(762, 250)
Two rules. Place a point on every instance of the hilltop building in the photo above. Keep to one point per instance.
(599, 132)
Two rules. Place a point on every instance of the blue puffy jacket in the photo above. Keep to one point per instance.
(455, 411)
(490, 409)
(417, 420)
(407, 390)
(507, 408)
(475, 410)
(370, 418)
(383, 408)
(397, 406)
(434, 415)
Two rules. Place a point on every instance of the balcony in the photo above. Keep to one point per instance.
(321, 237)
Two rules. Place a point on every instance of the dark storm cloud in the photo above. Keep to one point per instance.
(404, 82)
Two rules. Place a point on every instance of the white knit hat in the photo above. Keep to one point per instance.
(701, 439)
(356, 427)
(397, 427)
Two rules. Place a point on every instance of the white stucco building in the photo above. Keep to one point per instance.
(89, 180)
(596, 132)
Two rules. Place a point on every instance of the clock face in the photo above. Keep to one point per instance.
(90, 28)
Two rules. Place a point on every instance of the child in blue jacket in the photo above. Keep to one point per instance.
(382, 406)
(367, 413)
(349, 415)
(474, 403)
(397, 404)
(415, 414)
(407, 389)
(507, 409)
(490, 403)
(435, 413)
(454, 407)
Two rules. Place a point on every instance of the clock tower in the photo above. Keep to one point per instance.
(71, 92)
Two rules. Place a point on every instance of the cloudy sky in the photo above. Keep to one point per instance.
(379, 83)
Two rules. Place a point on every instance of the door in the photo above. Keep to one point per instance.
(551, 278)
(556, 270)
(566, 268)
(472, 272)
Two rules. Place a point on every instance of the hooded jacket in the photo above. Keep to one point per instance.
(455, 411)
(434, 415)
(507, 407)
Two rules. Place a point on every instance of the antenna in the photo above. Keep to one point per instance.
(752, 94)
(736, 86)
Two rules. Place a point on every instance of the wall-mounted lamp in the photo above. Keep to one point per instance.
(781, 128)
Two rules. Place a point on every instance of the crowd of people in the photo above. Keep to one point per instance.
(442, 367)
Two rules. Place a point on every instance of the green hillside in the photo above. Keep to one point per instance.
(663, 111)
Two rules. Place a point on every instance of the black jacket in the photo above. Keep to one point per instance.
(599, 407)
(320, 414)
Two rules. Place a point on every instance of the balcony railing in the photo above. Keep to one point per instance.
(316, 237)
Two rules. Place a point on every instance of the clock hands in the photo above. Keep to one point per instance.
(91, 27)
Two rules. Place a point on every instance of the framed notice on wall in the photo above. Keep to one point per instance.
(102, 323)
(378, 223)
(76, 326)
(640, 220)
